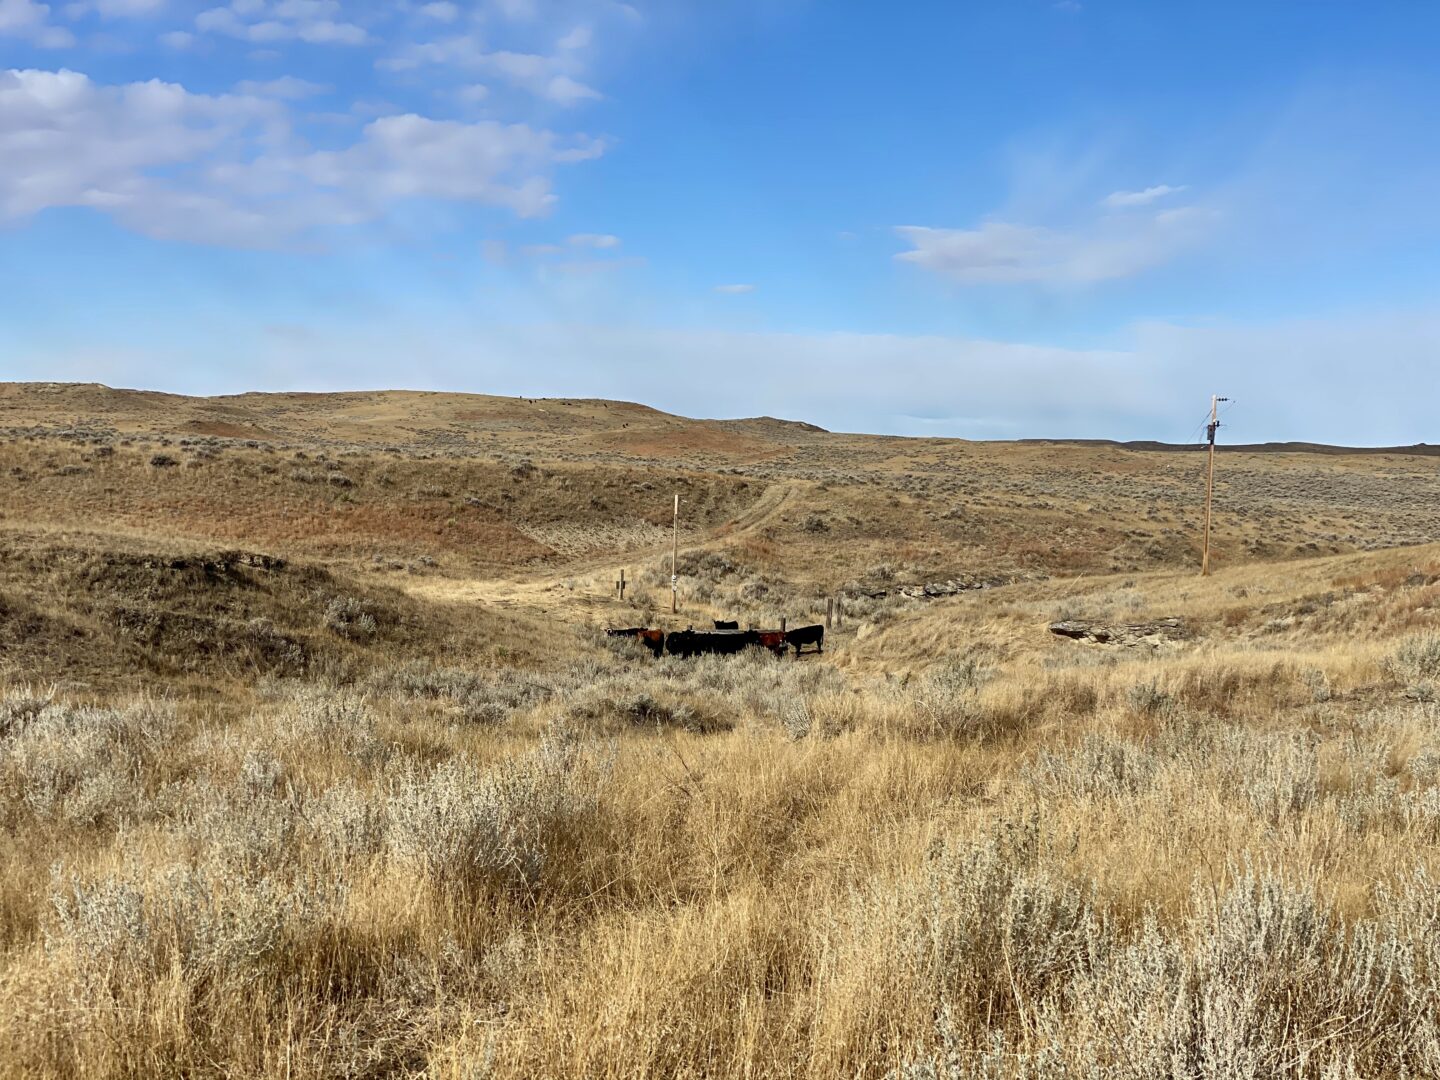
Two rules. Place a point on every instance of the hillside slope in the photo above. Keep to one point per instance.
(478, 484)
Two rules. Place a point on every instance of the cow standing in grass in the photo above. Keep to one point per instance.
(654, 640)
(694, 642)
(806, 635)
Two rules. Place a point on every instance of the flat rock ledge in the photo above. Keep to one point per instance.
(1129, 635)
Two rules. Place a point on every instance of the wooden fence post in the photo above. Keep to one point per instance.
(829, 611)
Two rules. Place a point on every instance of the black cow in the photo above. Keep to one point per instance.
(654, 640)
(694, 642)
(721, 642)
(723, 624)
(807, 635)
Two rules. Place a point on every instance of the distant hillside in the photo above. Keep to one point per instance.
(410, 486)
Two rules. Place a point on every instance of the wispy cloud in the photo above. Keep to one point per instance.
(593, 240)
(287, 87)
(552, 78)
(115, 9)
(314, 22)
(1003, 253)
(1119, 200)
(735, 290)
(584, 266)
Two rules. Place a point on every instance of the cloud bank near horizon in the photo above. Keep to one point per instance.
(1154, 386)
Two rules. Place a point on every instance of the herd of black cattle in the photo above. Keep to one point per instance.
(726, 638)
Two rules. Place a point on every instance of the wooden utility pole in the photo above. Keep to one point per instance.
(1211, 428)
(675, 558)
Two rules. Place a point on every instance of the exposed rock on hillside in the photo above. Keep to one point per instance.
(1131, 635)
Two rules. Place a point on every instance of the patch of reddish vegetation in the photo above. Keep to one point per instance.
(342, 529)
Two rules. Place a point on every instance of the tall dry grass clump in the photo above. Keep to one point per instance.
(1217, 863)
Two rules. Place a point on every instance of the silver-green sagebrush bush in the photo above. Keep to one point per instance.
(464, 825)
(1034, 981)
(83, 765)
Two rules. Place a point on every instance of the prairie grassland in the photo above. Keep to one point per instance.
(1216, 865)
(370, 796)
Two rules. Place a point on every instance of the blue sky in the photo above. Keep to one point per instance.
(980, 219)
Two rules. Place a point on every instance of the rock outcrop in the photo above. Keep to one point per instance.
(1130, 635)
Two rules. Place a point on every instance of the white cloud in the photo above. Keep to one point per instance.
(462, 50)
(1069, 6)
(441, 11)
(564, 90)
(287, 87)
(116, 9)
(177, 39)
(552, 78)
(540, 75)
(735, 290)
(998, 252)
(30, 20)
(579, 38)
(410, 156)
(269, 21)
(518, 10)
(1122, 199)
(68, 142)
(593, 240)
(473, 93)
(229, 169)
(22, 16)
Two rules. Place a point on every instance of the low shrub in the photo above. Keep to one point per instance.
(351, 618)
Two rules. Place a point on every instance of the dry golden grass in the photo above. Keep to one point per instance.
(360, 816)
